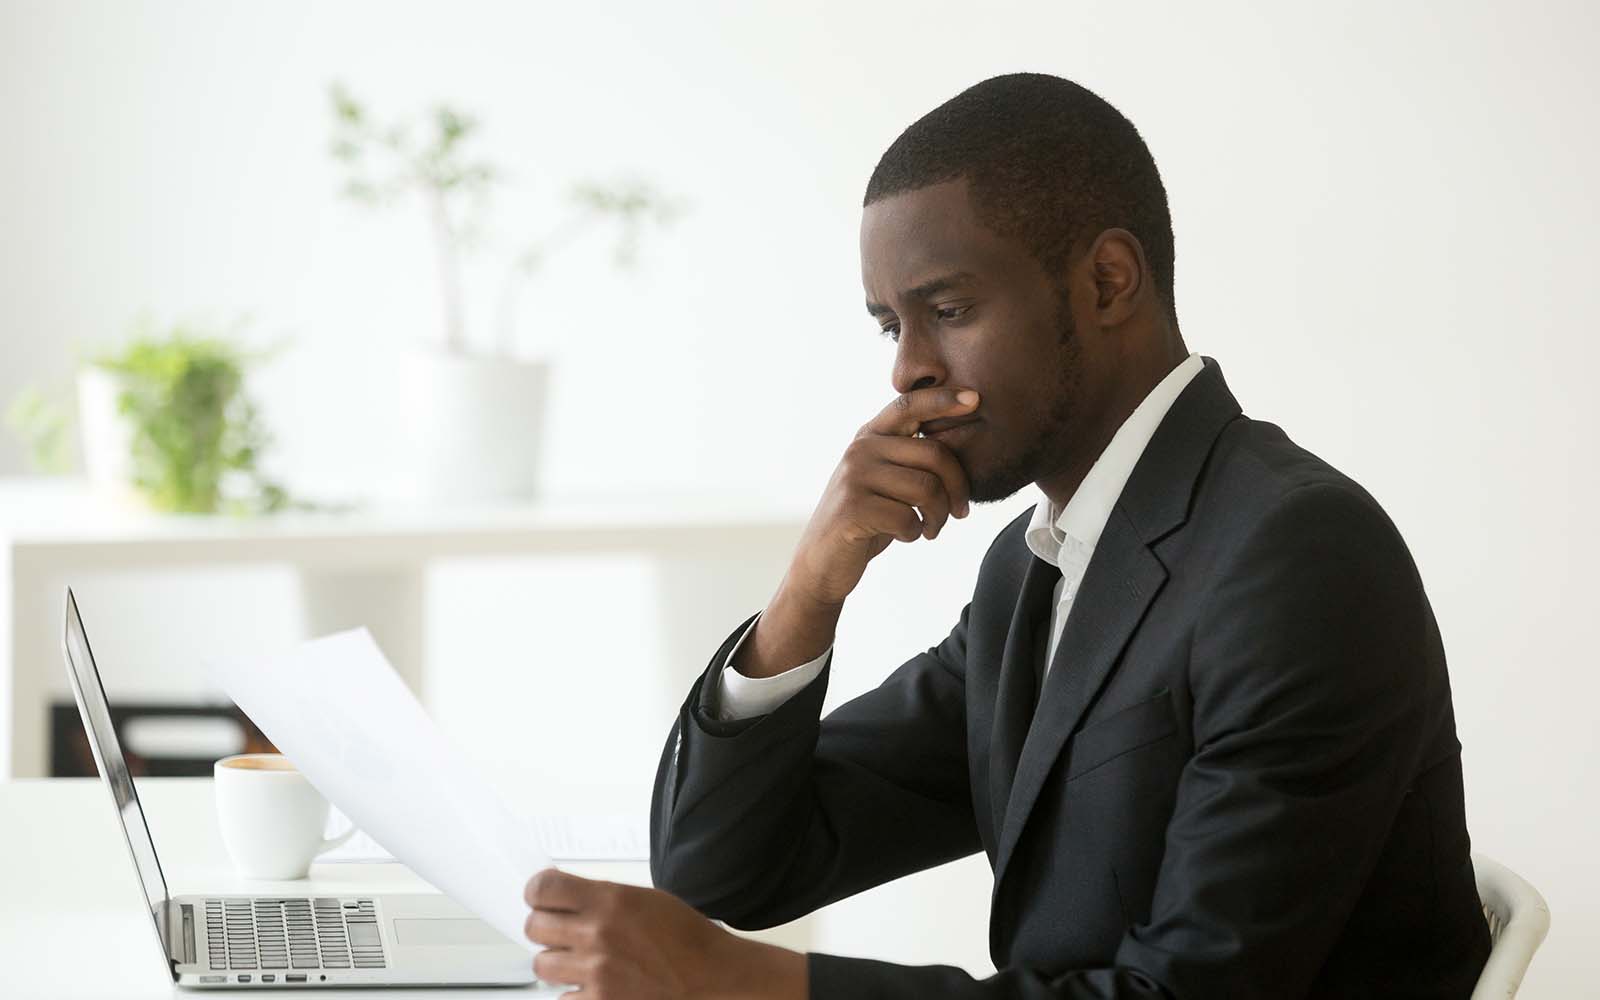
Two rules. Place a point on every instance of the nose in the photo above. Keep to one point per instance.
(917, 364)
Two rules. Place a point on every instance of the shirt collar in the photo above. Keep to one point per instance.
(1066, 536)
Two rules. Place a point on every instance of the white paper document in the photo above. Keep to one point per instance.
(563, 838)
(338, 710)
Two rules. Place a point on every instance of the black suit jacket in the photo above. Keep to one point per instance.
(1241, 780)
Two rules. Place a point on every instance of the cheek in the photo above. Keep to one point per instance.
(1013, 360)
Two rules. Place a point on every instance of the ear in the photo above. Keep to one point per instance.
(1120, 274)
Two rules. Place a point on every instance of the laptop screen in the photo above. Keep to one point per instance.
(96, 714)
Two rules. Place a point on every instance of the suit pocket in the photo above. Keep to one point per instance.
(1121, 732)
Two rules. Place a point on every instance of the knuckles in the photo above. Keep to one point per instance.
(927, 484)
(592, 955)
(608, 901)
(543, 966)
(603, 976)
(540, 884)
(855, 453)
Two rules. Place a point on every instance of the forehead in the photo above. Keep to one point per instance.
(912, 237)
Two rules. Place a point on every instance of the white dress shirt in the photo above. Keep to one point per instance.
(1064, 538)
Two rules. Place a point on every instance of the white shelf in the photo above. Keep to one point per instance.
(362, 567)
(40, 511)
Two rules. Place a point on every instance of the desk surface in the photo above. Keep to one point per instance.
(72, 917)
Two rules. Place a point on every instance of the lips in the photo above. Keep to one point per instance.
(952, 432)
(932, 427)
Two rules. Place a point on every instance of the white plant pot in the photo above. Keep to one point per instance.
(106, 436)
(474, 427)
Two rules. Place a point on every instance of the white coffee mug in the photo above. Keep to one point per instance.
(272, 819)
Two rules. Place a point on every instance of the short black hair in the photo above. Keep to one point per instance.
(1048, 162)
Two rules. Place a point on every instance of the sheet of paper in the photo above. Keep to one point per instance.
(564, 838)
(339, 711)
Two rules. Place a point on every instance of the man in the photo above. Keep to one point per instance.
(1196, 712)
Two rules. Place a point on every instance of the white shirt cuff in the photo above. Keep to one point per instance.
(741, 697)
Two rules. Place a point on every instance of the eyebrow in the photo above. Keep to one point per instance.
(927, 290)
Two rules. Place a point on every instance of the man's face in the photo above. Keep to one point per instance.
(971, 309)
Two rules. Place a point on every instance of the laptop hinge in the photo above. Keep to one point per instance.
(177, 925)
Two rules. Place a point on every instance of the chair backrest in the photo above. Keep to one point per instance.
(1518, 919)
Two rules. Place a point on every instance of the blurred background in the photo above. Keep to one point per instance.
(527, 334)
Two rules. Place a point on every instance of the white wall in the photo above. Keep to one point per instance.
(1385, 217)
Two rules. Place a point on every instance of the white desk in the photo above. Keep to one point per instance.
(73, 922)
(363, 568)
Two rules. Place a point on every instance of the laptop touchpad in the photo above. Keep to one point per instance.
(425, 931)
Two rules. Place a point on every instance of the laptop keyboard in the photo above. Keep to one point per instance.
(269, 933)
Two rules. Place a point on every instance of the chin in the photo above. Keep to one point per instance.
(1008, 473)
(996, 486)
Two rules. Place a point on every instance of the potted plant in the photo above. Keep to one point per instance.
(476, 413)
(167, 420)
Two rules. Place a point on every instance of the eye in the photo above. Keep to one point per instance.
(891, 333)
(952, 312)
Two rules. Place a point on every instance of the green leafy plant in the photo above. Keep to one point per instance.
(44, 427)
(197, 437)
(384, 161)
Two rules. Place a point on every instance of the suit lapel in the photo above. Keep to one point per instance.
(1018, 690)
(1122, 579)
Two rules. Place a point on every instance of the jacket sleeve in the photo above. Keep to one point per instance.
(760, 821)
(1314, 696)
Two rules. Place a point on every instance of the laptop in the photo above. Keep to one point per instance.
(233, 941)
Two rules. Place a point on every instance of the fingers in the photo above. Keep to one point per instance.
(554, 889)
(556, 929)
(568, 968)
(589, 936)
(888, 485)
(597, 975)
(917, 488)
(910, 410)
(879, 515)
(937, 459)
(914, 471)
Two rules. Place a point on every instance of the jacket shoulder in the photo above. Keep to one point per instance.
(1258, 466)
(1258, 475)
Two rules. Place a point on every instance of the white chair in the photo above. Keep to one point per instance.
(1518, 919)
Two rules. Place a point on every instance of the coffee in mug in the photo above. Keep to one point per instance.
(272, 820)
